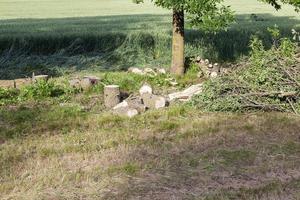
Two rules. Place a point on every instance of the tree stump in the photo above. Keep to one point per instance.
(111, 96)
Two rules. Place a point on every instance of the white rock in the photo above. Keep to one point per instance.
(145, 89)
(206, 61)
(210, 66)
(162, 71)
(132, 112)
(160, 102)
(126, 111)
(213, 74)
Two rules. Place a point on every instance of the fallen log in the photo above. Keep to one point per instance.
(187, 94)
(39, 78)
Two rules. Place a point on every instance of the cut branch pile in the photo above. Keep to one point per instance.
(269, 81)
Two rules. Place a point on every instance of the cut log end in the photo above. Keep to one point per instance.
(111, 95)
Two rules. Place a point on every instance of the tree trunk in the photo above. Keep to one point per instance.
(177, 67)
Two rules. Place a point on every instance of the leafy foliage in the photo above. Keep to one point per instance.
(211, 14)
(203, 14)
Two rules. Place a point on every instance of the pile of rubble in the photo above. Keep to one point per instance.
(134, 104)
(146, 100)
(208, 69)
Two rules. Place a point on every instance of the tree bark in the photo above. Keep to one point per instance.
(177, 67)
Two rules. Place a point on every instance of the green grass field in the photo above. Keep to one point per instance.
(61, 36)
(76, 8)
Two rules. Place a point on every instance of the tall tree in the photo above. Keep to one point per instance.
(210, 14)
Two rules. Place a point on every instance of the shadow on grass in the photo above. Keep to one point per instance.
(170, 154)
(218, 157)
(36, 120)
(118, 42)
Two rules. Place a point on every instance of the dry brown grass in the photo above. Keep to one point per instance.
(177, 153)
